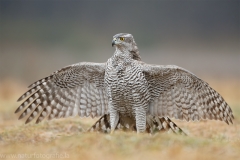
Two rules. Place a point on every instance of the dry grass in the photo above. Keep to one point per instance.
(206, 140)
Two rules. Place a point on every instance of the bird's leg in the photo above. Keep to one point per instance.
(140, 119)
(114, 118)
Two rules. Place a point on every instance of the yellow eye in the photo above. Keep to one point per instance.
(121, 38)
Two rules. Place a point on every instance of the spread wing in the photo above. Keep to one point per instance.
(74, 90)
(177, 93)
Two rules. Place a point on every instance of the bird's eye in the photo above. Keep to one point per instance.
(121, 38)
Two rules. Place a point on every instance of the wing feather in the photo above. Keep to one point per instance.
(74, 90)
(177, 93)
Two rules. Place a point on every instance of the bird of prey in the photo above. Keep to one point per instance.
(125, 91)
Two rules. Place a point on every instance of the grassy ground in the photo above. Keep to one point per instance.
(66, 139)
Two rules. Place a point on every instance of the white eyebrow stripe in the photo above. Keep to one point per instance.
(128, 35)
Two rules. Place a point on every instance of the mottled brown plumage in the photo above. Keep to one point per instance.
(122, 89)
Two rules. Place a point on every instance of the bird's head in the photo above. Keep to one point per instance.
(125, 41)
(122, 40)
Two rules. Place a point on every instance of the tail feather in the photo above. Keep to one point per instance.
(164, 124)
(102, 125)
(154, 124)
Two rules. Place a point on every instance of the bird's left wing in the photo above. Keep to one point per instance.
(74, 90)
(177, 93)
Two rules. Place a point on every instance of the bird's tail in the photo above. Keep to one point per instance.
(162, 124)
(154, 124)
(102, 125)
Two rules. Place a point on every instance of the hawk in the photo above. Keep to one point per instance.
(124, 91)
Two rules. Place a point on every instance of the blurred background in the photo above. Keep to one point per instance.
(39, 37)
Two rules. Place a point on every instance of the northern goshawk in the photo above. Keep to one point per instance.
(124, 91)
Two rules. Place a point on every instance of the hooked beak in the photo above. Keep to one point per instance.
(113, 42)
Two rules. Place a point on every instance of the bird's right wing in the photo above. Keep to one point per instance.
(74, 90)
